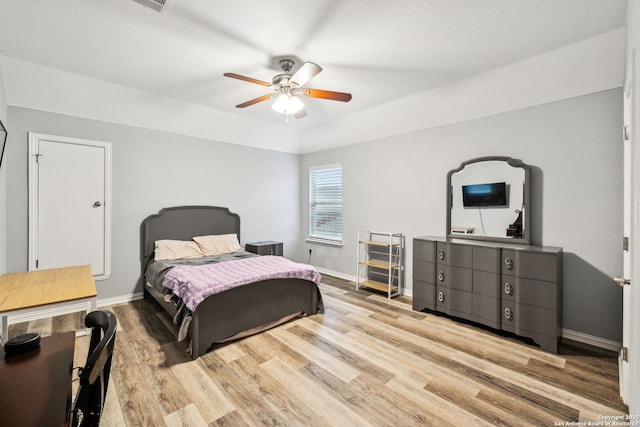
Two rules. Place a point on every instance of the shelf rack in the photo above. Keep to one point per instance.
(381, 262)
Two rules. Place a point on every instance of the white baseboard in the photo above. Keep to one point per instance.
(72, 308)
(591, 340)
(120, 299)
(337, 274)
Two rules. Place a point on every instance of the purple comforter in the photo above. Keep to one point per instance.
(195, 283)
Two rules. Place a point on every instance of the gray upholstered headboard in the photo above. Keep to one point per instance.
(183, 223)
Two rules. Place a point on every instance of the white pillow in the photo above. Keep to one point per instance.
(167, 250)
(218, 244)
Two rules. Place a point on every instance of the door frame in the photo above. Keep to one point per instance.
(630, 370)
(633, 391)
(628, 215)
(34, 142)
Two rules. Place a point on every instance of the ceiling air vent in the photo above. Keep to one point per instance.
(157, 5)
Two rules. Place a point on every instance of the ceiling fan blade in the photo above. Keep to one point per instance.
(326, 94)
(246, 79)
(255, 101)
(300, 114)
(306, 73)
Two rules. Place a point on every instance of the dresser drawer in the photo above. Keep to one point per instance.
(487, 259)
(530, 292)
(424, 295)
(455, 278)
(424, 271)
(531, 265)
(424, 250)
(522, 318)
(454, 302)
(455, 255)
(486, 309)
(486, 283)
(536, 293)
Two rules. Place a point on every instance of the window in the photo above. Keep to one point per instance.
(325, 203)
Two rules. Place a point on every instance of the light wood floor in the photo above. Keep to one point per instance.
(366, 361)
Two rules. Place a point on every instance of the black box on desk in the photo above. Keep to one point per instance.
(268, 247)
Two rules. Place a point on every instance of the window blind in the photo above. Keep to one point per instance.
(325, 207)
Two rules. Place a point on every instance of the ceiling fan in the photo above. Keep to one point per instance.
(289, 87)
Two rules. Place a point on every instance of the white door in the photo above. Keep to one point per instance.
(69, 204)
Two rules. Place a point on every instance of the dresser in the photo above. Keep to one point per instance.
(508, 287)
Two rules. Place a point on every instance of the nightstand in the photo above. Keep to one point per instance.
(268, 247)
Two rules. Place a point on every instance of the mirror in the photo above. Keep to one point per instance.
(488, 198)
(3, 140)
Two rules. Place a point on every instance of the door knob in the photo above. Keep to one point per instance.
(621, 281)
(97, 204)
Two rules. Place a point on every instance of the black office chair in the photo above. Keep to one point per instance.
(94, 376)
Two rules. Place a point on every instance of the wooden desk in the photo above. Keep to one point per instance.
(35, 386)
(34, 290)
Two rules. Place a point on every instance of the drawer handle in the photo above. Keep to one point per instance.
(441, 296)
(509, 263)
(508, 314)
(508, 288)
(441, 276)
(441, 254)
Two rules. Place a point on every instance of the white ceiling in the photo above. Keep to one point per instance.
(378, 50)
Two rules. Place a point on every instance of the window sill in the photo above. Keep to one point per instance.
(335, 243)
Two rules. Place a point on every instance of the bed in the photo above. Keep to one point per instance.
(233, 313)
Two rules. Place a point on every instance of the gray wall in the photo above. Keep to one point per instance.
(152, 170)
(398, 184)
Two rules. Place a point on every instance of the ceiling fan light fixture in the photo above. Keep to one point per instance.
(288, 88)
(287, 104)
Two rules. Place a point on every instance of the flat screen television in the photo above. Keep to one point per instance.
(485, 195)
